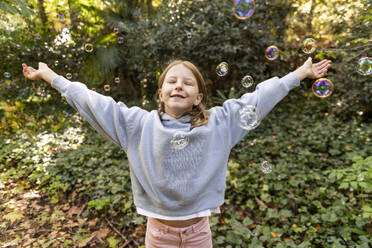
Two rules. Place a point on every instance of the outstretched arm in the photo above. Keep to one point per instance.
(43, 72)
(310, 70)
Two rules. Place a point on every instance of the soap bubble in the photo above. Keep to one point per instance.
(179, 140)
(243, 9)
(309, 45)
(88, 47)
(61, 17)
(120, 40)
(361, 177)
(43, 93)
(248, 117)
(364, 66)
(56, 63)
(107, 87)
(38, 36)
(116, 30)
(222, 69)
(68, 75)
(266, 167)
(7, 74)
(117, 80)
(272, 53)
(247, 81)
(323, 87)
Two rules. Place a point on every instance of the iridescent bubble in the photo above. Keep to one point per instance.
(179, 140)
(7, 74)
(116, 30)
(88, 47)
(117, 80)
(56, 63)
(188, 35)
(364, 66)
(266, 167)
(120, 40)
(323, 87)
(361, 177)
(272, 53)
(247, 81)
(38, 36)
(107, 87)
(222, 69)
(68, 75)
(309, 45)
(248, 117)
(61, 17)
(43, 93)
(243, 9)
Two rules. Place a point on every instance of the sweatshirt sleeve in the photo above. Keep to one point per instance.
(114, 120)
(266, 95)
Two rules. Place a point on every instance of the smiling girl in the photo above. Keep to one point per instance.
(177, 189)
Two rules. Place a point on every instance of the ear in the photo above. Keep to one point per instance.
(160, 95)
(198, 99)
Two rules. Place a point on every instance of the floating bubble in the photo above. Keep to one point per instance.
(38, 36)
(266, 167)
(248, 117)
(309, 45)
(107, 87)
(179, 140)
(120, 40)
(247, 81)
(88, 47)
(243, 9)
(222, 69)
(56, 63)
(272, 53)
(61, 17)
(364, 66)
(117, 80)
(116, 30)
(43, 93)
(7, 74)
(68, 75)
(188, 35)
(322, 87)
(361, 177)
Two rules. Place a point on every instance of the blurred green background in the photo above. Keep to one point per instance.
(319, 192)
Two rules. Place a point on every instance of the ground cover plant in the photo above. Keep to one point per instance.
(63, 185)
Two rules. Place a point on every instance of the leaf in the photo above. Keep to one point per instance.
(13, 216)
(113, 242)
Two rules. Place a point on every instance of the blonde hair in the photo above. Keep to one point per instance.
(199, 115)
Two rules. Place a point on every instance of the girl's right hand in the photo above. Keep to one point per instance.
(43, 72)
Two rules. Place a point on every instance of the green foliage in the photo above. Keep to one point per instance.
(319, 147)
(16, 7)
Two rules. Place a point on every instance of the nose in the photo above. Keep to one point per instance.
(179, 85)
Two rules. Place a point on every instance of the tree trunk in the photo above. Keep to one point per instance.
(149, 8)
(309, 25)
(42, 14)
(73, 16)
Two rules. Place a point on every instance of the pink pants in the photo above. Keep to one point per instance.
(160, 235)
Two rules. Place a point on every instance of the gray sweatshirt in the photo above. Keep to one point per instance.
(165, 180)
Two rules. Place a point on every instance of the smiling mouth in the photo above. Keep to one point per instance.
(178, 96)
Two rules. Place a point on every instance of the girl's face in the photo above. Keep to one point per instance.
(180, 91)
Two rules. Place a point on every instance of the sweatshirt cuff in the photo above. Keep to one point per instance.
(60, 83)
(290, 81)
